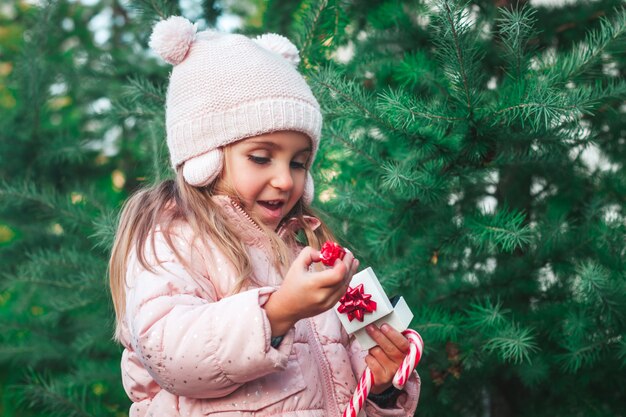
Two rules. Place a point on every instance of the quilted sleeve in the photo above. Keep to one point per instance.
(193, 345)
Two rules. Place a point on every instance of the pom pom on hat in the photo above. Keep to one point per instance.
(171, 38)
(280, 45)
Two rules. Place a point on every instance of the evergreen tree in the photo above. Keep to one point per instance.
(72, 144)
(458, 153)
(455, 162)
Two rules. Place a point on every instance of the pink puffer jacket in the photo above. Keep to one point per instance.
(190, 350)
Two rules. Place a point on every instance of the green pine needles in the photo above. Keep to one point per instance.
(462, 154)
(473, 155)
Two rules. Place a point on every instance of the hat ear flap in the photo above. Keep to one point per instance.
(279, 45)
(202, 170)
(309, 190)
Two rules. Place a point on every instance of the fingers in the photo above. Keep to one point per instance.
(352, 265)
(317, 289)
(307, 256)
(385, 359)
(381, 374)
(340, 273)
(397, 338)
(332, 277)
(388, 363)
(337, 277)
(355, 267)
(379, 371)
(391, 341)
(348, 260)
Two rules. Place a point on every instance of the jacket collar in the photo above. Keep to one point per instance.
(293, 225)
(248, 229)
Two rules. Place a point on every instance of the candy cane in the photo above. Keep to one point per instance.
(360, 394)
(416, 347)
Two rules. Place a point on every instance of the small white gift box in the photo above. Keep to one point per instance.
(398, 316)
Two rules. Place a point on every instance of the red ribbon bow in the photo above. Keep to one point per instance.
(330, 252)
(355, 303)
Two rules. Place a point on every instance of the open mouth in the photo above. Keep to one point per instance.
(272, 205)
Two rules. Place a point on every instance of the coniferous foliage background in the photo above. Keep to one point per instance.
(473, 155)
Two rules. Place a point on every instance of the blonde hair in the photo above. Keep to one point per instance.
(164, 204)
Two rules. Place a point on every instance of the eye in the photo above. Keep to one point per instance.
(298, 165)
(261, 160)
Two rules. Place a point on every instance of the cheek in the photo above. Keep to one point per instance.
(242, 177)
(248, 183)
(299, 181)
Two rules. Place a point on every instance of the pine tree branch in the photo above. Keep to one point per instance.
(426, 183)
(435, 116)
(486, 315)
(459, 55)
(516, 27)
(161, 13)
(138, 90)
(360, 107)
(587, 355)
(354, 96)
(396, 100)
(50, 283)
(105, 227)
(531, 105)
(588, 52)
(336, 25)
(595, 285)
(505, 229)
(76, 302)
(46, 394)
(354, 201)
(312, 21)
(156, 157)
(48, 199)
(14, 351)
(513, 344)
(355, 149)
(437, 324)
(19, 348)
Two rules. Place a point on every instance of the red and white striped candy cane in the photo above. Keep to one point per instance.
(360, 394)
(416, 347)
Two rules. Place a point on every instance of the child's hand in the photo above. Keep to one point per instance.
(306, 293)
(385, 359)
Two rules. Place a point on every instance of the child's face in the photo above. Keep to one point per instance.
(268, 172)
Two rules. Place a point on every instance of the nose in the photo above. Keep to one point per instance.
(282, 178)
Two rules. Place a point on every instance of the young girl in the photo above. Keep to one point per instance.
(220, 310)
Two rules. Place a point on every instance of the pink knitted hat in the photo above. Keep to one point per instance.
(227, 87)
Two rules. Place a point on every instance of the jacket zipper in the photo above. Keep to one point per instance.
(246, 215)
(332, 409)
(268, 244)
